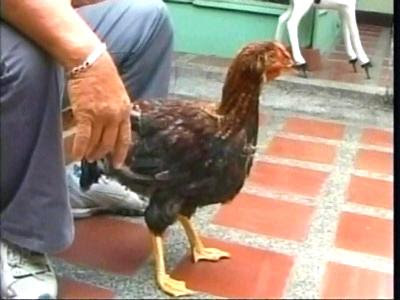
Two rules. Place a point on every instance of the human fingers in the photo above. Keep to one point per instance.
(108, 140)
(95, 139)
(81, 140)
(123, 142)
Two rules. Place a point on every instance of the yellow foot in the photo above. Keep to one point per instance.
(173, 287)
(209, 254)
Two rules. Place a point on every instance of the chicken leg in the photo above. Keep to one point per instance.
(200, 252)
(170, 286)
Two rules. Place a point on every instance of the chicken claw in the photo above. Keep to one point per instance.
(173, 287)
(200, 252)
(212, 254)
(170, 286)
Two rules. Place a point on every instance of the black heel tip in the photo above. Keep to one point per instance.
(353, 63)
(303, 68)
(366, 66)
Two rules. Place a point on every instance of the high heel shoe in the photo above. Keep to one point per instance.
(303, 68)
(353, 63)
(366, 67)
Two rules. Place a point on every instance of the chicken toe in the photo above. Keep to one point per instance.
(170, 286)
(212, 254)
(198, 250)
(173, 287)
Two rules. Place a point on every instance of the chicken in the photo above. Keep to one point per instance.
(188, 154)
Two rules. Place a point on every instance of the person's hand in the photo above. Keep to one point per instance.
(101, 108)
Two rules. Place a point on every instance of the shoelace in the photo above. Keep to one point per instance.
(17, 259)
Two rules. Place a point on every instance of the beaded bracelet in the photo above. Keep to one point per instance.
(90, 60)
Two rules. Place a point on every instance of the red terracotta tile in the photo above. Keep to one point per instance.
(370, 32)
(369, 49)
(377, 137)
(266, 216)
(348, 282)
(369, 42)
(370, 191)
(315, 128)
(341, 71)
(338, 55)
(374, 161)
(370, 38)
(249, 273)
(365, 34)
(71, 289)
(109, 244)
(365, 234)
(288, 179)
(302, 150)
(313, 58)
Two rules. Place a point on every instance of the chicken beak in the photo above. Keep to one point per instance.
(288, 67)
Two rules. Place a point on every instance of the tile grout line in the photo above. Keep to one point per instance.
(377, 148)
(253, 240)
(289, 162)
(306, 276)
(326, 141)
(361, 260)
(346, 122)
(367, 210)
(372, 175)
(257, 190)
(308, 138)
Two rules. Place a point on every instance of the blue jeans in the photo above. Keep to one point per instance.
(35, 211)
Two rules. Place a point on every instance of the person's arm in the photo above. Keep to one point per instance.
(55, 26)
(98, 97)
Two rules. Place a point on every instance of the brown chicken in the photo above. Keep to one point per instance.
(189, 154)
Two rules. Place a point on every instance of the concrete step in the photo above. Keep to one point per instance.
(320, 98)
(294, 84)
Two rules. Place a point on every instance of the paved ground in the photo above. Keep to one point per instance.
(314, 220)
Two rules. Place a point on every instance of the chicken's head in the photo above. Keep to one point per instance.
(267, 59)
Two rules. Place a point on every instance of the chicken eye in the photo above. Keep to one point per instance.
(273, 57)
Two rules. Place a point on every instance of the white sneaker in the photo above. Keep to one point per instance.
(106, 196)
(25, 274)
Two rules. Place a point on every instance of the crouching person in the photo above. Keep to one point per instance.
(108, 53)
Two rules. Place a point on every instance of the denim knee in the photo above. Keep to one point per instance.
(153, 11)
